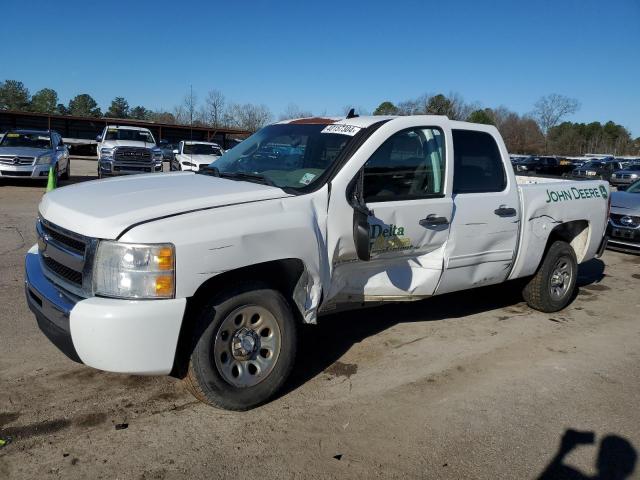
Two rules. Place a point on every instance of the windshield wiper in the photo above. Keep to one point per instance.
(246, 176)
(249, 177)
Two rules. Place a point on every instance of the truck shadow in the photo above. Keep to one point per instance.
(322, 345)
(616, 458)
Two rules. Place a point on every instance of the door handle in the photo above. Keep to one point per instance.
(433, 221)
(504, 211)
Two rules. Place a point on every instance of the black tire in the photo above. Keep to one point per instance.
(67, 172)
(539, 291)
(206, 381)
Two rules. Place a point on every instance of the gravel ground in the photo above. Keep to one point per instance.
(467, 385)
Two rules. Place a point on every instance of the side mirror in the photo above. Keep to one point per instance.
(176, 152)
(99, 138)
(361, 214)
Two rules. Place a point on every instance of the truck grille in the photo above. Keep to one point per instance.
(13, 160)
(132, 155)
(64, 272)
(66, 257)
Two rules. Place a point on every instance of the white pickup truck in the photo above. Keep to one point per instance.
(126, 150)
(206, 275)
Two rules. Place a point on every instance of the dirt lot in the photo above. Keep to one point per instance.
(467, 385)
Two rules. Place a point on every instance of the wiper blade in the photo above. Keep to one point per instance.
(250, 177)
(209, 170)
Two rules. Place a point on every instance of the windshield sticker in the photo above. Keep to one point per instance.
(350, 130)
(112, 130)
(576, 194)
(307, 178)
(13, 135)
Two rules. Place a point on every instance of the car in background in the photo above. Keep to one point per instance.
(525, 165)
(167, 150)
(195, 155)
(623, 178)
(31, 153)
(598, 169)
(624, 220)
(126, 150)
(552, 166)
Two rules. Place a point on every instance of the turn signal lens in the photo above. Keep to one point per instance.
(164, 285)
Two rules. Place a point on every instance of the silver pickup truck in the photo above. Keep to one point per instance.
(125, 150)
(30, 153)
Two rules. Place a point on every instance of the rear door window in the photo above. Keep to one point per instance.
(478, 166)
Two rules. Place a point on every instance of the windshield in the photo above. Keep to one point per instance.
(129, 134)
(593, 165)
(201, 149)
(634, 187)
(635, 167)
(33, 140)
(287, 155)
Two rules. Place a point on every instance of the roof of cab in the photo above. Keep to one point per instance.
(127, 127)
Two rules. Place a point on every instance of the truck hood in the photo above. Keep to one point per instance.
(24, 151)
(126, 143)
(625, 203)
(105, 208)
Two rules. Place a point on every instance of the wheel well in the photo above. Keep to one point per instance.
(575, 233)
(281, 275)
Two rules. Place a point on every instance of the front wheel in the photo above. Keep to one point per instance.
(67, 171)
(245, 347)
(553, 285)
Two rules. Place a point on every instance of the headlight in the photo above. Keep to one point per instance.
(127, 270)
(44, 160)
(613, 175)
(188, 164)
(106, 153)
(157, 155)
(634, 175)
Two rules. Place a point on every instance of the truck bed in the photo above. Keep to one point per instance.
(568, 205)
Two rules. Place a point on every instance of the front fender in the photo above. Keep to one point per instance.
(211, 242)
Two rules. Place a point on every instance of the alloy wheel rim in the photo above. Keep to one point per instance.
(561, 278)
(247, 345)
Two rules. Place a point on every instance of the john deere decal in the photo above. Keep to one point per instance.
(574, 193)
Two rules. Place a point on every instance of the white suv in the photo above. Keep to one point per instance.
(192, 155)
(124, 150)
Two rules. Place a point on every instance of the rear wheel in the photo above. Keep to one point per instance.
(245, 347)
(553, 285)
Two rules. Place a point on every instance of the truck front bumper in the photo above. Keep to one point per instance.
(125, 336)
(109, 168)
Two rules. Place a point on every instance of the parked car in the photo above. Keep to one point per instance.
(526, 165)
(601, 169)
(552, 166)
(208, 275)
(125, 150)
(167, 150)
(623, 178)
(30, 154)
(624, 219)
(192, 155)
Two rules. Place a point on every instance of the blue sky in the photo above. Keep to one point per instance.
(324, 55)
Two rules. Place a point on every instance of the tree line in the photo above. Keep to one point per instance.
(543, 130)
(538, 132)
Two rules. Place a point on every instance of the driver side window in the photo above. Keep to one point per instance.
(408, 165)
